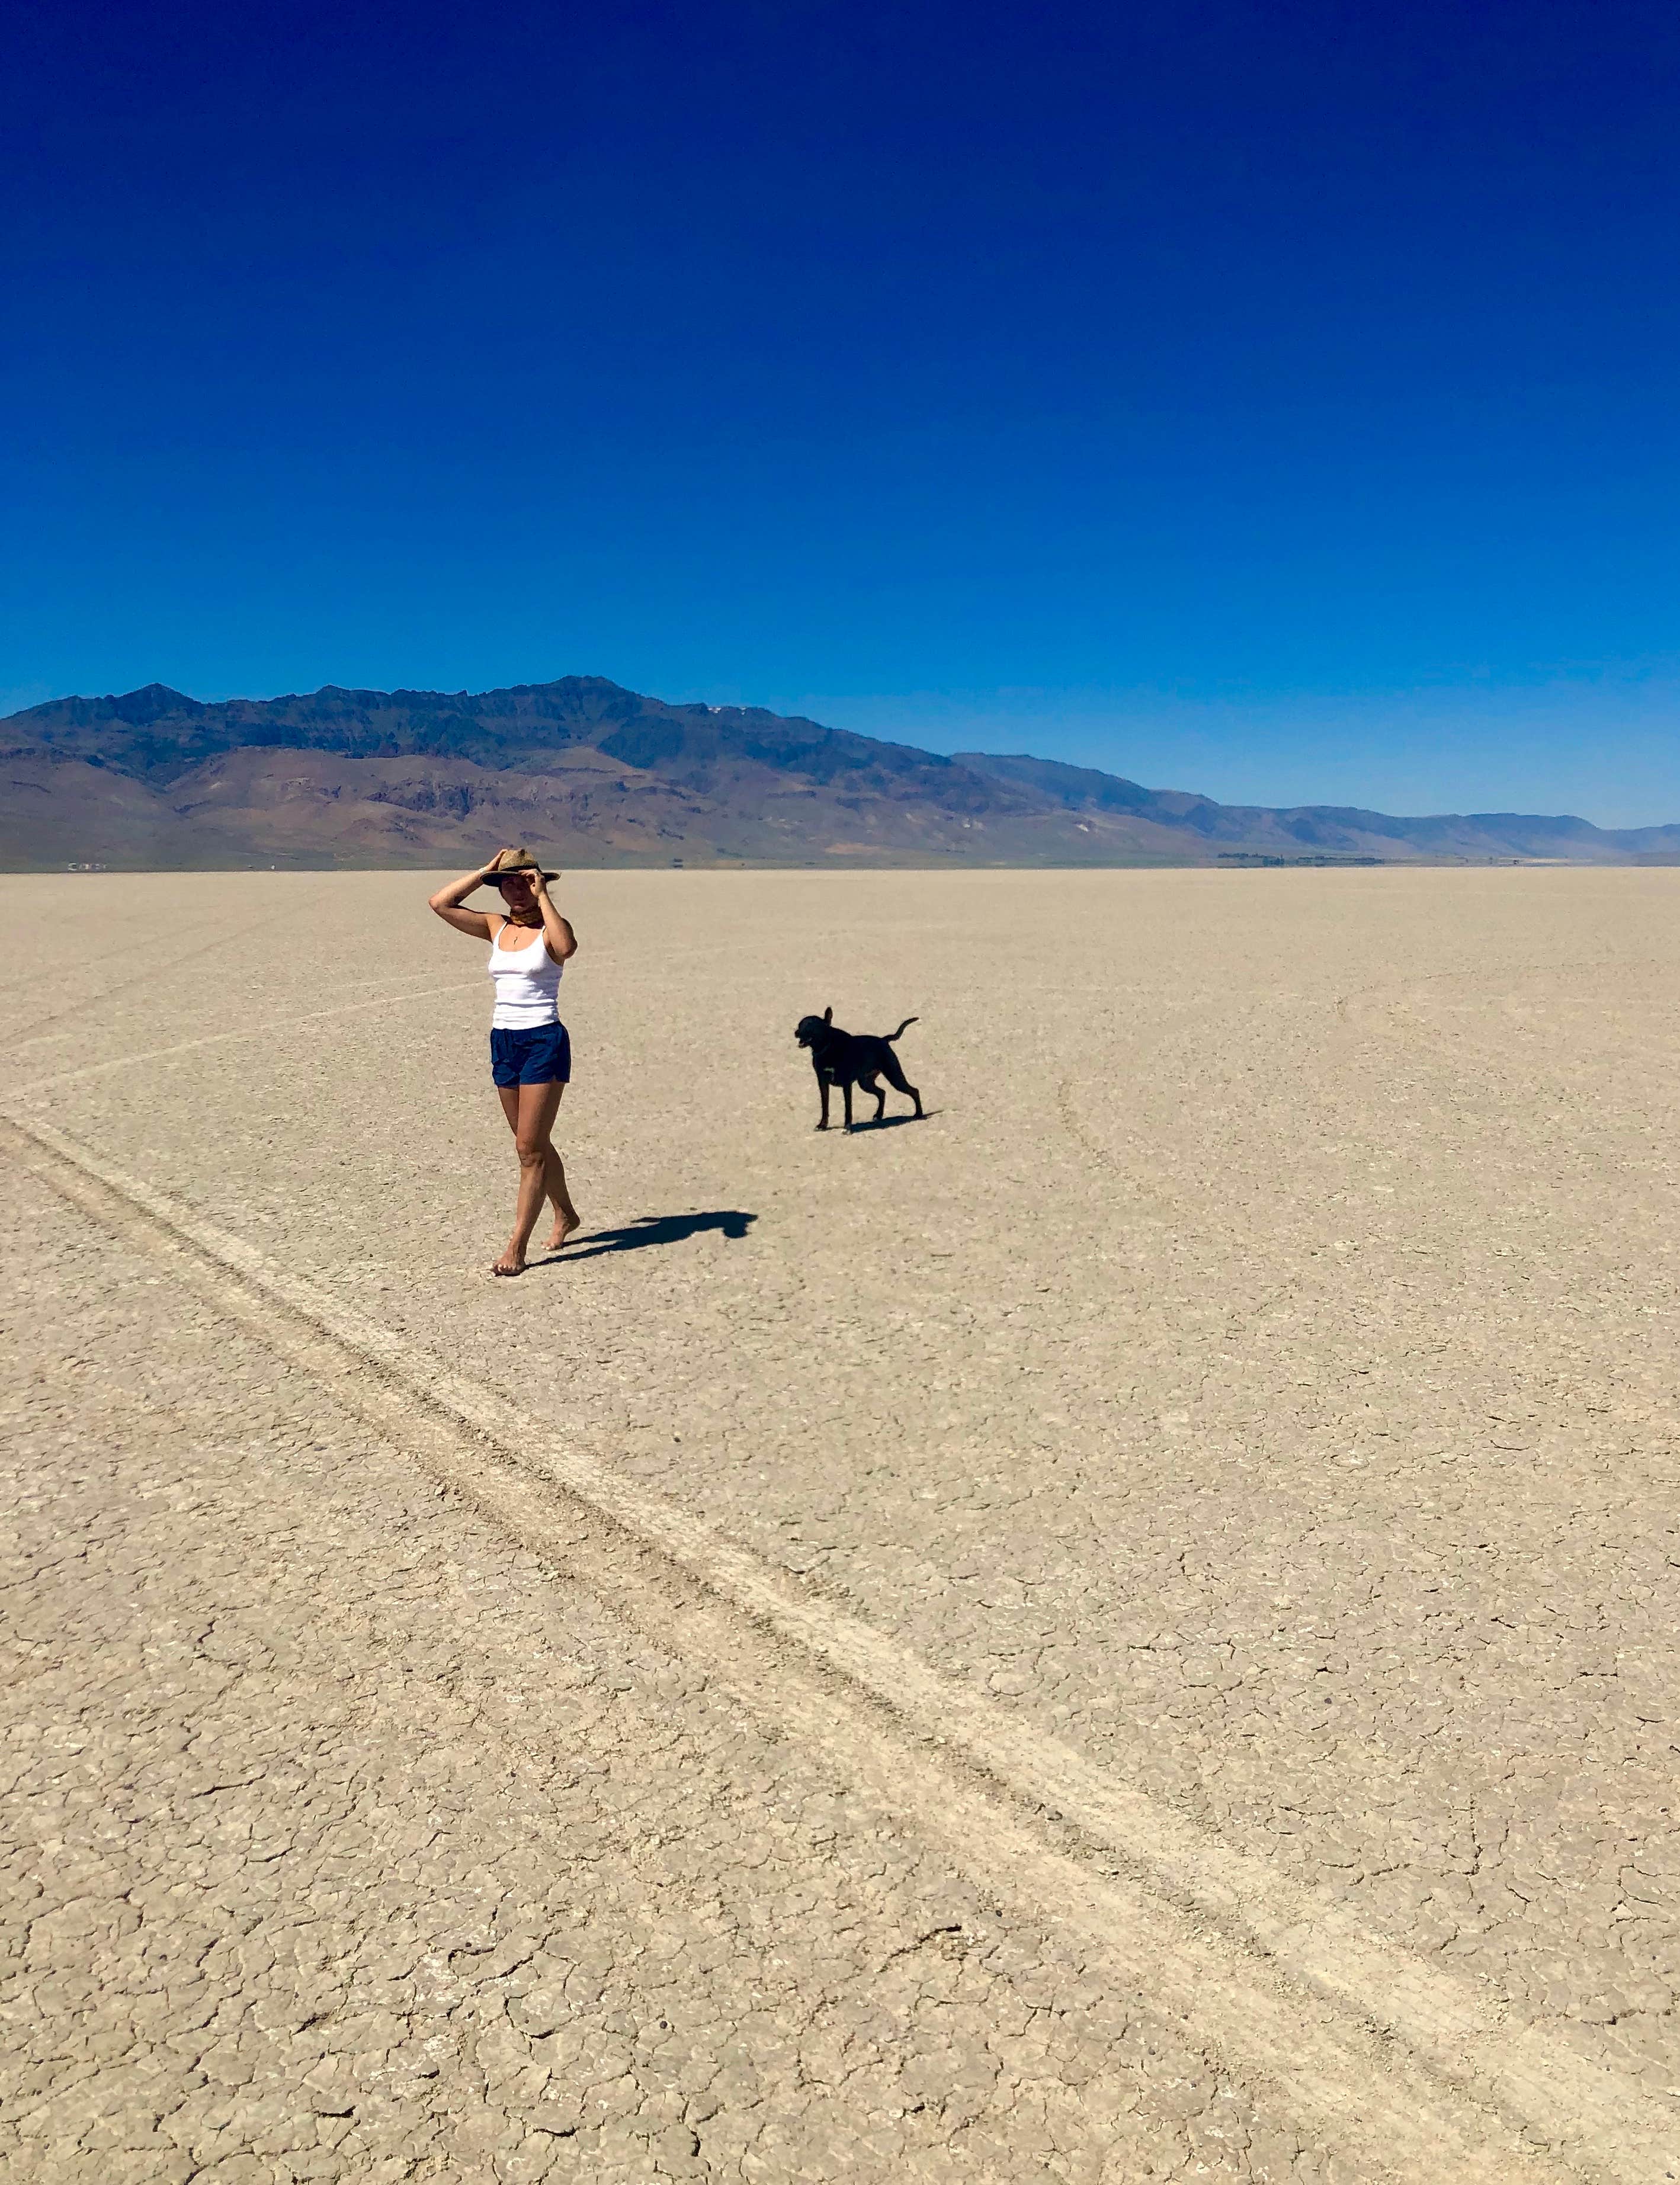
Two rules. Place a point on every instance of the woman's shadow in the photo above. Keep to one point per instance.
(653, 1229)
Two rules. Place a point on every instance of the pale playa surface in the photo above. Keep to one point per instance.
(1252, 1388)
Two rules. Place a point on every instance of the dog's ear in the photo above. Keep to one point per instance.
(828, 1014)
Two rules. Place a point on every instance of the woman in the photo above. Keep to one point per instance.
(530, 1048)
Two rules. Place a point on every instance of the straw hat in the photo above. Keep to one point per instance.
(513, 861)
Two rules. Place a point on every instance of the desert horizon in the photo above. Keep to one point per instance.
(345, 779)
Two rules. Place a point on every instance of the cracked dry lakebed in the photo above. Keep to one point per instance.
(1125, 1631)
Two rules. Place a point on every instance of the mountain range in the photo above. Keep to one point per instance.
(594, 775)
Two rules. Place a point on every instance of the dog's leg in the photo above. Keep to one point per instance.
(823, 1088)
(846, 1093)
(901, 1083)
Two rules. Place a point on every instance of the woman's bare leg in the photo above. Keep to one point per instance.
(531, 1109)
(566, 1218)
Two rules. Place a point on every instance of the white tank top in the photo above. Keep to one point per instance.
(527, 986)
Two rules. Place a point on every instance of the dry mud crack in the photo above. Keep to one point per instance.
(1396, 2067)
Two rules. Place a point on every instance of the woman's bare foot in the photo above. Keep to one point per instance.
(512, 1262)
(564, 1224)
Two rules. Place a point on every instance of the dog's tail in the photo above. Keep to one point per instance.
(902, 1029)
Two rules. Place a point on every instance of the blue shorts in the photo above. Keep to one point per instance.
(540, 1055)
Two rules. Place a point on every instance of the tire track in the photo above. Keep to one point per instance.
(1408, 2070)
(1374, 1008)
(251, 1031)
(20, 1035)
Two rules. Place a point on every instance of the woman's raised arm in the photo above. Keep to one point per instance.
(446, 902)
(556, 931)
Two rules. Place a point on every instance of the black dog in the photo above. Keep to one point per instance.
(847, 1058)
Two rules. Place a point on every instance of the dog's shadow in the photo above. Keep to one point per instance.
(892, 1122)
(653, 1229)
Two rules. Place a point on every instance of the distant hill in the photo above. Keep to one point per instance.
(600, 775)
(1337, 830)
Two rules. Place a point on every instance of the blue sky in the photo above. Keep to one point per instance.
(1275, 400)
